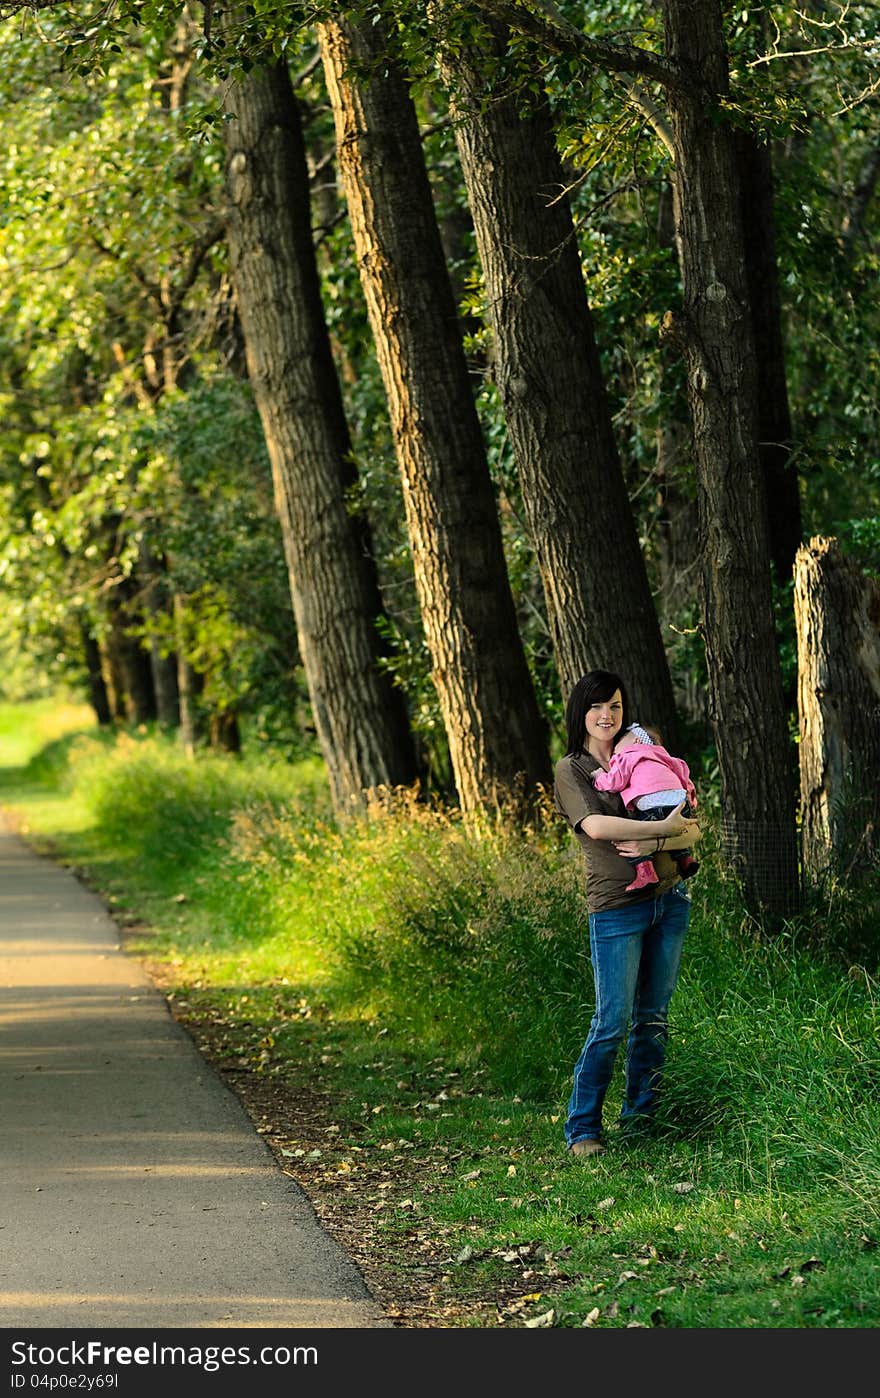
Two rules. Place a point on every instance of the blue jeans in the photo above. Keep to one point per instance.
(635, 952)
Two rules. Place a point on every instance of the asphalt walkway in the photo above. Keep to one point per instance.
(134, 1189)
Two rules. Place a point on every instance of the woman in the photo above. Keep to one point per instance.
(635, 937)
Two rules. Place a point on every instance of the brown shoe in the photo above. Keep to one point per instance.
(587, 1146)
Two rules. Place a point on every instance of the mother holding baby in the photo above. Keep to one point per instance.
(637, 927)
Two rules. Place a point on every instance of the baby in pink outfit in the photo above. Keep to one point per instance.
(651, 783)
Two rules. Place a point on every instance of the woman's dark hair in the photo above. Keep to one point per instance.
(593, 688)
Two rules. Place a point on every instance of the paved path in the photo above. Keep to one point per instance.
(134, 1189)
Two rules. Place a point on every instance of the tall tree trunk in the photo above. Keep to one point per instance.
(782, 490)
(838, 628)
(676, 531)
(223, 731)
(193, 728)
(112, 672)
(715, 333)
(550, 380)
(98, 696)
(158, 607)
(359, 715)
(492, 720)
(129, 661)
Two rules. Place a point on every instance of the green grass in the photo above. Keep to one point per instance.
(436, 988)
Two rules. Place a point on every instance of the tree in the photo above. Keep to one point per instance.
(713, 332)
(496, 737)
(120, 362)
(838, 628)
(360, 717)
(546, 364)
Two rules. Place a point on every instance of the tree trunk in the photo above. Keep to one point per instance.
(223, 731)
(130, 663)
(189, 686)
(359, 715)
(675, 539)
(781, 485)
(98, 696)
(550, 380)
(496, 736)
(715, 333)
(837, 609)
(112, 674)
(158, 607)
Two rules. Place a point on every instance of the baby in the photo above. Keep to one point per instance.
(651, 783)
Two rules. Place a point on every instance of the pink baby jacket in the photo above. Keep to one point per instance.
(640, 770)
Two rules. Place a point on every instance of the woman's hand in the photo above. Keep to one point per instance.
(675, 823)
(631, 849)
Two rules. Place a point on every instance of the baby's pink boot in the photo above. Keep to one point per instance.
(646, 874)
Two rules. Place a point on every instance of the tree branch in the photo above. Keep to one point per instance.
(542, 22)
(197, 254)
(642, 100)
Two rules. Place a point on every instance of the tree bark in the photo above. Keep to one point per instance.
(112, 673)
(837, 609)
(781, 486)
(496, 736)
(715, 335)
(98, 696)
(131, 663)
(550, 381)
(158, 606)
(190, 683)
(359, 715)
(223, 731)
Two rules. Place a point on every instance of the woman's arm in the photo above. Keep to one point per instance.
(606, 827)
(648, 844)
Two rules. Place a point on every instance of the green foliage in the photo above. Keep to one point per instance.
(111, 189)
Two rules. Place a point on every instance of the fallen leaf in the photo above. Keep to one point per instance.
(541, 1322)
(605, 1203)
(683, 1186)
(625, 1277)
(465, 1255)
(592, 1316)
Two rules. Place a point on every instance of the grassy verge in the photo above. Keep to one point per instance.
(400, 1005)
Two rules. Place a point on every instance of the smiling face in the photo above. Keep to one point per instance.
(604, 719)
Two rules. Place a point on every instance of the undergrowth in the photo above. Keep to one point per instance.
(409, 940)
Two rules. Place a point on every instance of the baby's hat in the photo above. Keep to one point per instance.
(639, 734)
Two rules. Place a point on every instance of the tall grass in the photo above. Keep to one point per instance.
(476, 947)
(470, 949)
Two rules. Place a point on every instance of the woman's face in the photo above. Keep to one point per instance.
(604, 718)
